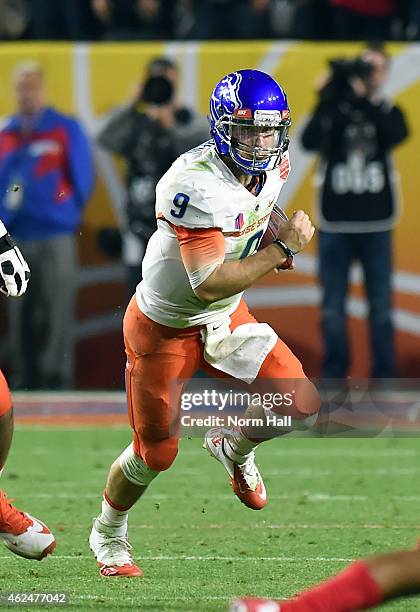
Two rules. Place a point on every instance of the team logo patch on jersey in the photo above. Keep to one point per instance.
(239, 221)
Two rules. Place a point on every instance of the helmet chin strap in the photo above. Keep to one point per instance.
(271, 162)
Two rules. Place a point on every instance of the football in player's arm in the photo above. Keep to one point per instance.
(232, 277)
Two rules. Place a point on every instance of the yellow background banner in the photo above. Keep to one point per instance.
(89, 80)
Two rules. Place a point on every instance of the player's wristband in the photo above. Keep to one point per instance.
(289, 255)
(6, 243)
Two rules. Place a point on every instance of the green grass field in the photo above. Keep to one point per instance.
(331, 501)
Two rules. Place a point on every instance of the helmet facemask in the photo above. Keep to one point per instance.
(255, 144)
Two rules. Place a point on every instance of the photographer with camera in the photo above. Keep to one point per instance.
(141, 132)
(354, 131)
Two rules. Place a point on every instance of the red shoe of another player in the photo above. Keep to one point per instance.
(253, 604)
(245, 478)
(23, 534)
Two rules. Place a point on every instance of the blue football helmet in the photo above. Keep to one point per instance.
(249, 120)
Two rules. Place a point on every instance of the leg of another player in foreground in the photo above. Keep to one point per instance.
(363, 585)
(21, 533)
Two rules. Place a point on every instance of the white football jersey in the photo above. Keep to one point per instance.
(199, 191)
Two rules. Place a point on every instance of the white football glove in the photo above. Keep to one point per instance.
(14, 271)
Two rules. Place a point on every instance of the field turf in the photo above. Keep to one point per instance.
(331, 501)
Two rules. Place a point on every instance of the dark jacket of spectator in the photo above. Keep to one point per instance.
(354, 138)
(148, 149)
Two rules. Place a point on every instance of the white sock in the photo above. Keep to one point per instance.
(112, 521)
(237, 447)
(1, 471)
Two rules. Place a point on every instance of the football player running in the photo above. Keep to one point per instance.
(20, 532)
(213, 207)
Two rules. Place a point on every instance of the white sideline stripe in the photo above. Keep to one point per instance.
(298, 473)
(253, 527)
(195, 597)
(304, 473)
(316, 497)
(286, 526)
(310, 472)
(195, 558)
(309, 497)
(319, 453)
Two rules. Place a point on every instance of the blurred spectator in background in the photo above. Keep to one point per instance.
(311, 19)
(252, 19)
(224, 19)
(208, 19)
(142, 133)
(354, 130)
(135, 19)
(46, 178)
(190, 129)
(362, 19)
(413, 29)
(14, 18)
(63, 20)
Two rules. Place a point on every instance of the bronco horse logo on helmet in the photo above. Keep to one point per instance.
(249, 120)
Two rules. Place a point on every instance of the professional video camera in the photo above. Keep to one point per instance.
(343, 71)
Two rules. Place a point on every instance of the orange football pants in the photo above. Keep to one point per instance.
(158, 356)
(5, 397)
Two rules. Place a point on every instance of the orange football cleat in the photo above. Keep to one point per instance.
(245, 478)
(129, 569)
(23, 534)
